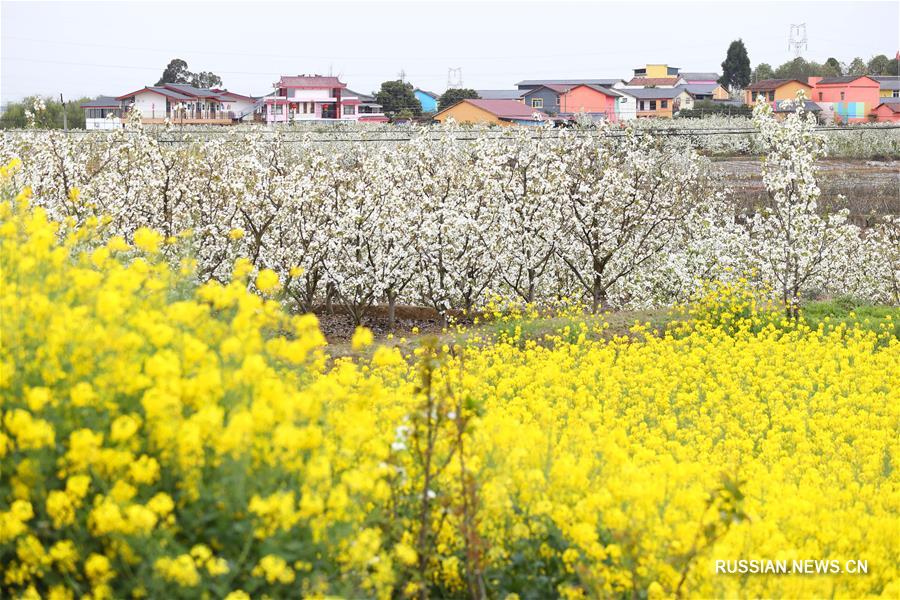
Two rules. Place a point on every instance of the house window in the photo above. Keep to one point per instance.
(896, 94)
(820, 95)
(842, 95)
(349, 109)
(664, 104)
(771, 96)
(537, 103)
(557, 100)
(653, 105)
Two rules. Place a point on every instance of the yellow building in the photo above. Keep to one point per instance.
(495, 112)
(657, 71)
(775, 90)
(889, 84)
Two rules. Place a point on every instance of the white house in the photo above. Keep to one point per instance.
(189, 105)
(103, 113)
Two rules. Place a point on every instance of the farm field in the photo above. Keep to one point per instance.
(612, 367)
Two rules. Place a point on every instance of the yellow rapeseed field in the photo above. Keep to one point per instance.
(164, 439)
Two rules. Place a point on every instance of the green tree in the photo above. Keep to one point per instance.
(736, 68)
(454, 95)
(763, 71)
(857, 67)
(799, 68)
(832, 68)
(50, 117)
(205, 79)
(176, 72)
(397, 95)
(882, 65)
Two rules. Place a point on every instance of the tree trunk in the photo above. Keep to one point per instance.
(598, 295)
(329, 299)
(392, 309)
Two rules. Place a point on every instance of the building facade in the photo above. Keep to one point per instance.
(775, 90)
(494, 112)
(103, 113)
(847, 99)
(428, 100)
(319, 98)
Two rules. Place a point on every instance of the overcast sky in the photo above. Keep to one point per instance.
(92, 48)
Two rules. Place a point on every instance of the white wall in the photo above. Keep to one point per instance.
(150, 104)
(299, 94)
(102, 123)
(626, 108)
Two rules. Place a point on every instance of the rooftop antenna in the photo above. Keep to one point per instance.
(454, 78)
(402, 75)
(797, 39)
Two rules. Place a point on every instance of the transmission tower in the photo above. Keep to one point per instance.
(454, 78)
(797, 39)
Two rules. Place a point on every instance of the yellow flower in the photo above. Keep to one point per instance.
(236, 233)
(147, 240)
(266, 280)
(362, 338)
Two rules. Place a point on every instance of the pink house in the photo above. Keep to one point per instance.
(847, 99)
(591, 99)
(888, 111)
(314, 98)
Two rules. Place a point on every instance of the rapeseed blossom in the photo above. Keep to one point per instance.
(160, 438)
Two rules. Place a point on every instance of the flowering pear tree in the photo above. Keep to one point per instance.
(793, 243)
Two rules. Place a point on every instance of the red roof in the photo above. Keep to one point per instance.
(770, 85)
(653, 81)
(894, 107)
(506, 109)
(310, 81)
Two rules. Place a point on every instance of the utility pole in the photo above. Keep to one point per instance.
(65, 117)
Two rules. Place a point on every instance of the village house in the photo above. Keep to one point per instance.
(103, 113)
(658, 102)
(369, 110)
(188, 105)
(847, 99)
(530, 84)
(775, 90)
(889, 85)
(499, 94)
(495, 112)
(700, 78)
(567, 100)
(888, 111)
(707, 91)
(656, 71)
(428, 100)
(312, 98)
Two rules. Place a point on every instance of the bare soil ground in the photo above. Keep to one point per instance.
(870, 189)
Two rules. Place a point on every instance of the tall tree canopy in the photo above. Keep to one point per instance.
(763, 71)
(395, 96)
(832, 68)
(736, 68)
(177, 72)
(206, 79)
(882, 65)
(454, 95)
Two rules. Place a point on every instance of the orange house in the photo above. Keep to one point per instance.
(776, 90)
(592, 99)
(494, 112)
